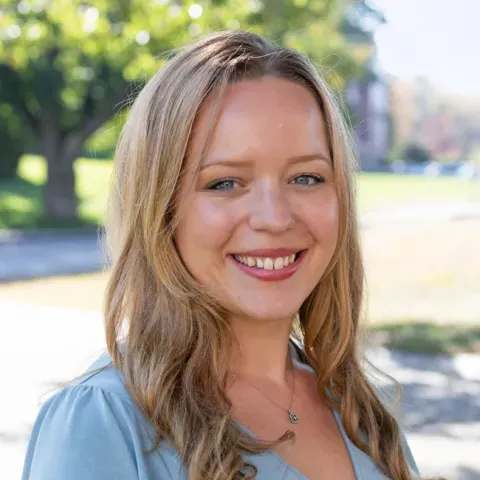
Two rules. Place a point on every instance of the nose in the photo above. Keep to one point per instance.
(270, 210)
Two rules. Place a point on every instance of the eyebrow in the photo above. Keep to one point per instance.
(245, 163)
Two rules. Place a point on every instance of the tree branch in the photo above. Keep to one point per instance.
(31, 120)
(74, 139)
(103, 114)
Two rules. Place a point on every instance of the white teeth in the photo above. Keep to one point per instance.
(278, 264)
(268, 264)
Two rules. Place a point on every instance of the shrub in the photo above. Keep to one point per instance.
(416, 154)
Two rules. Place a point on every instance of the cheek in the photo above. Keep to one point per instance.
(331, 212)
(323, 218)
(204, 229)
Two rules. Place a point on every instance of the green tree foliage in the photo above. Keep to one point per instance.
(66, 66)
(12, 141)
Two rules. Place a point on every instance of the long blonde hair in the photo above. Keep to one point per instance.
(175, 339)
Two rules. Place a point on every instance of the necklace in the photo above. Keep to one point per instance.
(291, 416)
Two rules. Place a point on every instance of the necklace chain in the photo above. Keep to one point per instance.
(292, 417)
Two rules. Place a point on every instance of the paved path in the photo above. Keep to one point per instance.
(423, 212)
(441, 405)
(40, 347)
(49, 253)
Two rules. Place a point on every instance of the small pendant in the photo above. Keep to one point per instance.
(293, 417)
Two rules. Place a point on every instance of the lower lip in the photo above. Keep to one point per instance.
(271, 275)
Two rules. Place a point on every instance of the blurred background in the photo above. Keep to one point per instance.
(408, 73)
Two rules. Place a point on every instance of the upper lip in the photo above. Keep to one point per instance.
(269, 252)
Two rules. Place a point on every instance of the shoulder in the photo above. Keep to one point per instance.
(104, 376)
(93, 429)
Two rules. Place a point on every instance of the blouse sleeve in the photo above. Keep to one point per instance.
(83, 433)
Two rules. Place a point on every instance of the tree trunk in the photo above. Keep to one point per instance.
(60, 200)
(61, 150)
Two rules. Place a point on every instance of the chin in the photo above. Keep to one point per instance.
(269, 311)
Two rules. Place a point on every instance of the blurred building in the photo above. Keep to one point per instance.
(368, 97)
(447, 125)
(404, 110)
(369, 101)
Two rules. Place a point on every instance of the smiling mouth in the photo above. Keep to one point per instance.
(267, 263)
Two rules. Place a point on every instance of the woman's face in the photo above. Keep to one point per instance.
(261, 224)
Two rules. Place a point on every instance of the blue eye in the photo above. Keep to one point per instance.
(223, 185)
(308, 180)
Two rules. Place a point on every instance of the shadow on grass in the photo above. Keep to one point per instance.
(427, 337)
(21, 207)
(467, 473)
(447, 408)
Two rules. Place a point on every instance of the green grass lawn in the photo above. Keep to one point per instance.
(21, 198)
(21, 203)
(383, 190)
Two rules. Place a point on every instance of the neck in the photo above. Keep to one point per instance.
(263, 350)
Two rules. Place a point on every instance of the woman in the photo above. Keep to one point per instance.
(233, 229)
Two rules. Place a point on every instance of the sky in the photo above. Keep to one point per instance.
(438, 39)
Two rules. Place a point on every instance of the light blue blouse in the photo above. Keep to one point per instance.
(93, 430)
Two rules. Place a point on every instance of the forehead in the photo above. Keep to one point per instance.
(267, 116)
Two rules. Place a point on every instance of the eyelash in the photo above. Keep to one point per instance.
(317, 178)
(212, 186)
